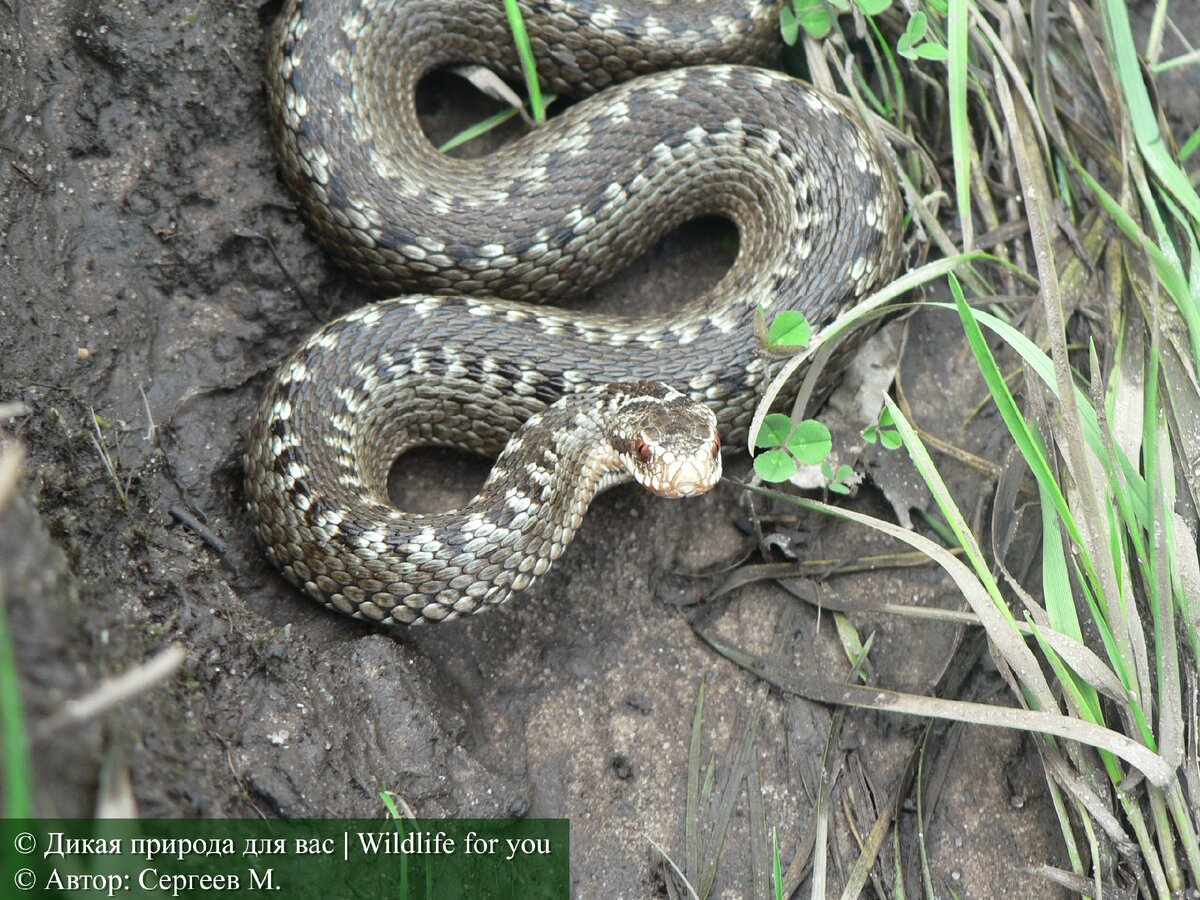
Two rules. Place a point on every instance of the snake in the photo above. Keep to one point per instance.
(676, 116)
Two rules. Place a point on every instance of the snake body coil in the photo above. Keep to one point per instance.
(546, 216)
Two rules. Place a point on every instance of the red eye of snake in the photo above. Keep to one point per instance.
(642, 449)
(716, 446)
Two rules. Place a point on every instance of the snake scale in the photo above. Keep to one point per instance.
(672, 124)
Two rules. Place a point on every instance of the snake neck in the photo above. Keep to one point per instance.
(328, 525)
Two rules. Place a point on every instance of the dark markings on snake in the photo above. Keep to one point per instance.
(788, 166)
(550, 389)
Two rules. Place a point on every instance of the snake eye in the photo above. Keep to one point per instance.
(716, 446)
(642, 449)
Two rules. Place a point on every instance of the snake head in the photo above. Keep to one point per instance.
(668, 442)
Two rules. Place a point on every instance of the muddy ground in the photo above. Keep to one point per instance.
(153, 270)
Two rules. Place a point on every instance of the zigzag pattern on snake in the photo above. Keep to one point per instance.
(467, 361)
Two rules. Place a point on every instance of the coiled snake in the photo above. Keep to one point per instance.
(546, 216)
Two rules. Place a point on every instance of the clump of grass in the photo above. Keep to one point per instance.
(1051, 132)
(1065, 170)
(1061, 166)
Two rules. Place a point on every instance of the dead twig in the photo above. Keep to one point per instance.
(129, 684)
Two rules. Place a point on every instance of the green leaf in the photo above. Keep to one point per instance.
(932, 51)
(813, 17)
(917, 26)
(774, 466)
(789, 329)
(789, 27)
(873, 7)
(909, 46)
(775, 430)
(810, 442)
(884, 432)
(836, 481)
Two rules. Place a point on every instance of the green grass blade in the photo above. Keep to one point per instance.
(1081, 697)
(1169, 275)
(960, 125)
(1182, 816)
(1034, 454)
(691, 826)
(14, 740)
(528, 64)
(1043, 367)
(776, 867)
(18, 780)
(1160, 476)
(1026, 439)
(1190, 145)
(1140, 109)
(1056, 578)
(484, 126)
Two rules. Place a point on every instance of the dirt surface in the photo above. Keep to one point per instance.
(153, 271)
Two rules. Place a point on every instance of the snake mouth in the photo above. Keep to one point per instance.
(684, 478)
